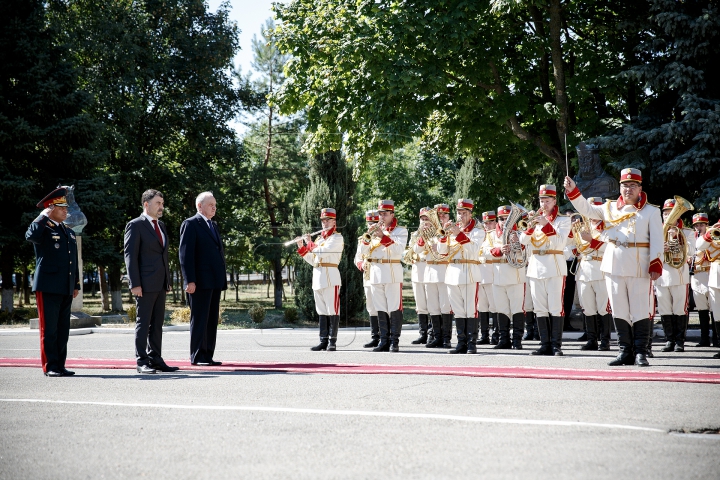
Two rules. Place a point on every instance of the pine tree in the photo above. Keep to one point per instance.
(331, 185)
(674, 136)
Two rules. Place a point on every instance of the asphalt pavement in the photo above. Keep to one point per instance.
(115, 423)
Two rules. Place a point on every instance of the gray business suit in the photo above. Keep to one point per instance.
(146, 260)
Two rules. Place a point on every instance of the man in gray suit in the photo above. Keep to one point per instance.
(146, 259)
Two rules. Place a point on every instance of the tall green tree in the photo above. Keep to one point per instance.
(331, 185)
(501, 81)
(674, 135)
(44, 133)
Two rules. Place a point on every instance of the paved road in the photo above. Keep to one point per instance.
(117, 424)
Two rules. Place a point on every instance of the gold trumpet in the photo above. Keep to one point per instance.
(714, 235)
(294, 240)
(526, 224)
(367, 236)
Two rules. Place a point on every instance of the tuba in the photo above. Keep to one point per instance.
(517, 257)
(673, 236)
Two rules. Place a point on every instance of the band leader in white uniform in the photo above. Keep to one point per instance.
(632, 260)
(324, 255)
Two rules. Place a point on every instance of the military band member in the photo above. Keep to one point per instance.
(508, 285)
(632, 260)
(461, 248)
(438, 302)
(383, 247)
(417, 277)
(324, 255)
(699, 283)
(592, 291)
(531, 328)
(486, 299)
(711, 246)
(371, 217)
(56, 281)
(672, 288)
(546, 271)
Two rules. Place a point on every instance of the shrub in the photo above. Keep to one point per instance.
(291, 314)
(257, 313)
(132, 314)
(181, 315)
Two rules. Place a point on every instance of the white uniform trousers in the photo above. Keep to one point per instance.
(701, 291)
(369, 305)
(547, 295)
(463, 300)
(631, 298)
(436, 295)
(486, 298)
(672, 300)
(327, 300)
(714, 294)
(387, 297)
(420, 298)
(508, 299)
(527, 302)
(593, 297)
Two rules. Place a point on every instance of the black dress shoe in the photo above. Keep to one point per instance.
(67, 372)
(145, 369)
(211, 363)
(53, 373)
(165, 368)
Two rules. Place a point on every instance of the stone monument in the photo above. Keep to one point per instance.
(592, 180)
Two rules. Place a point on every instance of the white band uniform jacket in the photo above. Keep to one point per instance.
(487, 269)
(467, 243)
(419, 266)
(326, 249)
(504, 273)
(589, 267)
(433, 272)
(639, 223)
(358, 261)
(678, 276)
(713, 253)
(389, 247)
(551, 237)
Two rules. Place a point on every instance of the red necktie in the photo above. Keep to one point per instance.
(157, 232)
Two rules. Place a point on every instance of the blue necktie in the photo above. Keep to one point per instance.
(214, 232)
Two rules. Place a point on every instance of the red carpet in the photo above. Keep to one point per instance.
(616, 374)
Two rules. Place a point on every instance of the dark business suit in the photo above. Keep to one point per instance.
(202, 259)
(146, 259)
(56, 279)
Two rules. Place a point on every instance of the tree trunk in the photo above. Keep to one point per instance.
(114, 273)
(20, 287)
(103, 289)
(7, 259)
(26, 284)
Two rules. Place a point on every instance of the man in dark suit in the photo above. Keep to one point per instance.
(202, 259)
(56, 281)
(146, 259)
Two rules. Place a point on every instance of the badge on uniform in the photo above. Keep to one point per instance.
(57, 245)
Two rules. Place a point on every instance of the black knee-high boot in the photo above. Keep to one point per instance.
(668, 324)
(518, 325)
(605, 324)
(437, 340)
(495, 337)
(422, 329)
(543, 325)
(447, 321)
(529, 326)
(472, 334)
(324, 320)
(556, 331)
(680, 323)
(374, 332)
(461, 327)
(334, 326)
(396, 319)
(484, 329)
(503, 323)
(641, 333)
(384, 327)
(592, 333)
(625, 343)
(704, 316)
